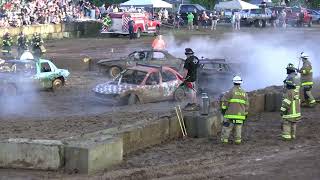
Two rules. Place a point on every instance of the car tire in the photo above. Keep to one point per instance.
(114, 71)
(180, 94)
(138, 33)
(9, 90)
(57, 84)
(133, 99)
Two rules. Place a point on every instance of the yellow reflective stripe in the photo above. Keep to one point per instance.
(223, 107)
(304, 71)
(287, 101)
(237, 101)
(283, 109)
(286, 136)
(235, 117)
(312, 101)
(294, 111)
(307, 83)
(291, 116)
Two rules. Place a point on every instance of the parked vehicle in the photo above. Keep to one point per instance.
(17, 76)
(294, 17)
(140, 84)
(214, 76)
(156, 57)
(257, 17)
(144, 23)
(184, 9)
(315, 15)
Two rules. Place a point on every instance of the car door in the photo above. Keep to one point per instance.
(152, 90)
(169, 83)
(45, 74)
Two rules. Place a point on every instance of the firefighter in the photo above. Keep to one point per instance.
(290, 111)
(159, 43)
(6, 44)
(292, 77)
(37, 45)
(22, 44)
(234, 107)
(306, 80)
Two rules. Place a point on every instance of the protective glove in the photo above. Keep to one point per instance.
(223, 111)
(281, 113)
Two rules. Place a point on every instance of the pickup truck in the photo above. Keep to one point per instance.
(257, 17)
(17, 76)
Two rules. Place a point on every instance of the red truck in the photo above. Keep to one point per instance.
(143, 23)
(297, 16)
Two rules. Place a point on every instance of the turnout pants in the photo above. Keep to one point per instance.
(227, 127)
(309, 99)
(288, 129)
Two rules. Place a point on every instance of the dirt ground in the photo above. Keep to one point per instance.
(73, 111)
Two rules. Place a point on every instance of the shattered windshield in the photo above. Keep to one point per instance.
(18, 67)
(131, 77)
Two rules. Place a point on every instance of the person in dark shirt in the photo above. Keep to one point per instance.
(131, 28)
(190, 75)
(196, 19)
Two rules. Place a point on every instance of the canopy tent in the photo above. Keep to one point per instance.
(235, 4)
(153, 3)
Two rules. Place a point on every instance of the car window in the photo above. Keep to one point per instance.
(183, 9)
(18, 67)
(132, 77)
(216, 67)
(153, 79)
(158, 56)
(45, 67)
(190, 8)
(138, 56)
(199, 7)
(168, 76)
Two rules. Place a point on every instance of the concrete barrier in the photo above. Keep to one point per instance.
(256, 103)
(92, 155)
(31, 154)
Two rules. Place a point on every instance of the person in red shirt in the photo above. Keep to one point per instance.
(159, 43)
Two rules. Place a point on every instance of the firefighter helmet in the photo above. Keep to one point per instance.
(291, 67)
(237, 80)
(188, 51)
(304, 55)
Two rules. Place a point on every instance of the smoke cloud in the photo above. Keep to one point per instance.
(262, 57)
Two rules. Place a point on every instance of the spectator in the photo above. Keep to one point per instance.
(205, 19)
(237, 20)
(214, 20)
(196, 19)
(190, 20)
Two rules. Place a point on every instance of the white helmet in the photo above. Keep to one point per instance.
(27, 55)
(237, 80)
(304, 55)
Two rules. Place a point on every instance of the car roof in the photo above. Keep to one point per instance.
(149, 68)
(212, 61)
(26, 61)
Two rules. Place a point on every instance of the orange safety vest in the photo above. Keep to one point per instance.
(158, 44)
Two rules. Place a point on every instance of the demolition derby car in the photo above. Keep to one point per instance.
(17, 76)
(214, 76)
(150, 57)
(140, 84)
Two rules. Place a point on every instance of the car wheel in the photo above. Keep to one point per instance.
(114, 71)
(138, 33)
(180, 94)
(57, 84)
(133, 99)
(9, 90)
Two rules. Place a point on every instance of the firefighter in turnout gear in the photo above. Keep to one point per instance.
(37, 45)
(290, 111)
(22, 44)
(6, 44)
(306, 80)
(292, 77)
(234, 107)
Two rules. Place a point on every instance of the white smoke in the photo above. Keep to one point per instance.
(262, 56)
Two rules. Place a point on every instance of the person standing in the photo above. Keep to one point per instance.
(37, 45)
(6, 44)
(190, 18)
(158, 43)
(214, 20)
(131, 28)
(234, 108)
(205, 19)
(307, 80)
(22, 44)
(237, 20)
(290, 110)
(196, 19)
(233, 21)
(190, 76)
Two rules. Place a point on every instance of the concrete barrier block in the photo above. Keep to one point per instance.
(208, 126)
(90, 156)
(174, 128)
(31, 154)
(257, 103)
(190, 119)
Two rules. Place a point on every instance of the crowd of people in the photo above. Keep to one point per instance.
(17, 13)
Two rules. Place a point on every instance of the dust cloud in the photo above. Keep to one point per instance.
(261, 57)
